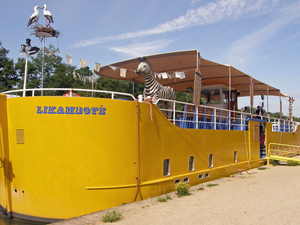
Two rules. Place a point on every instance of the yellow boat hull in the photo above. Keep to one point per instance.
(66, 157)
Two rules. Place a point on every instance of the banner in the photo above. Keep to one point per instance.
(164, 75)
(113, 68)
(97, 67)
(197, 87)
(123, 72)
(158, 75)
(251, 94)
(48, 52)
(171, 75)
(69, 59)
(180, 75)
(83, 63)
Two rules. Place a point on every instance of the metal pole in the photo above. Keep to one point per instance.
(229, 88)
(268, 98)
(132, 87)
(280, 102)
(197, 64)
(92, 87)
(42, 79)
(25, 73)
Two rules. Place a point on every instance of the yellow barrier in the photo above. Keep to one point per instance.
(282, 155)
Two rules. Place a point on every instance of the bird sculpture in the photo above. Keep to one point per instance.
(47, 15)
(34, 17)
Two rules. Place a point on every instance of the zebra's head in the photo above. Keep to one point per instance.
(143, 68)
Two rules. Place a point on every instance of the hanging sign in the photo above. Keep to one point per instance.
(197, 87)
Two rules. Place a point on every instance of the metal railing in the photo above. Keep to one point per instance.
(187, 115)
(112, 94)
(283, 125)
(283, 152)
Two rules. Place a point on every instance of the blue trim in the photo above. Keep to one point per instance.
(258, 120)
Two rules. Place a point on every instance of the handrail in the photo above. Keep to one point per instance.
(219, 118)
(113, 93)
(279, 150)
(230, 119)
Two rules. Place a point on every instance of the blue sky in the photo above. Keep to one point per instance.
(259, 37)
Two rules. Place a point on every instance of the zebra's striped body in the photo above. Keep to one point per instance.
(152, 87)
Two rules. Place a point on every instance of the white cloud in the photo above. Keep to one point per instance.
(143, 49)
(210, 13)
(249, 46)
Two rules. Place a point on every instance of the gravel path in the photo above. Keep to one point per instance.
(267, 196)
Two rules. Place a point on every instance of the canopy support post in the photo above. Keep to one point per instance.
(268, 99)
(229, 95)
(280, 103)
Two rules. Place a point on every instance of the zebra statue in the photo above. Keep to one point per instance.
(152, 88)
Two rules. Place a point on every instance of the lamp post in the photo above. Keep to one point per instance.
(27, 50)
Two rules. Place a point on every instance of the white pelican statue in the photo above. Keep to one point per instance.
(34, 17)
(47, 16)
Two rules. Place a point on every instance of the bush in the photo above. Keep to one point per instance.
(182, 189)
(292, 163)
(111, 217)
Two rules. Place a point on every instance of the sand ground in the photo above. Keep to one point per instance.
(269, 196)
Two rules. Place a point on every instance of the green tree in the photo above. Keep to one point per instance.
(8, 76)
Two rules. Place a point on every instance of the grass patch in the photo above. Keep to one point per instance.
(262, 168)
(111, 217)
(182, 189)
(201, 189)
(275, 162)
(292, 163)
(168, 197)
(164, 199)
(161, 199)
(212, 185)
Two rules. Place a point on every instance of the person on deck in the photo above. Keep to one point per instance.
(259, 113)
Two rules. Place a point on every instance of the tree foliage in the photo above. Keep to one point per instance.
(8, 76)
(60, 75)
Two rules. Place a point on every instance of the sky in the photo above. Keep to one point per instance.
(259, 37)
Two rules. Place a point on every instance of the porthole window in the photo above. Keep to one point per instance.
(200, 176)
(191, 163)
(166, 167)
(206, 175)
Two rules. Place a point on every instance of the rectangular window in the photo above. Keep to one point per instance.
(235, 157)
(210, 96)
(210, 161)
(191, 163)
(166, 167)
(186, 180)
(177, 181)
